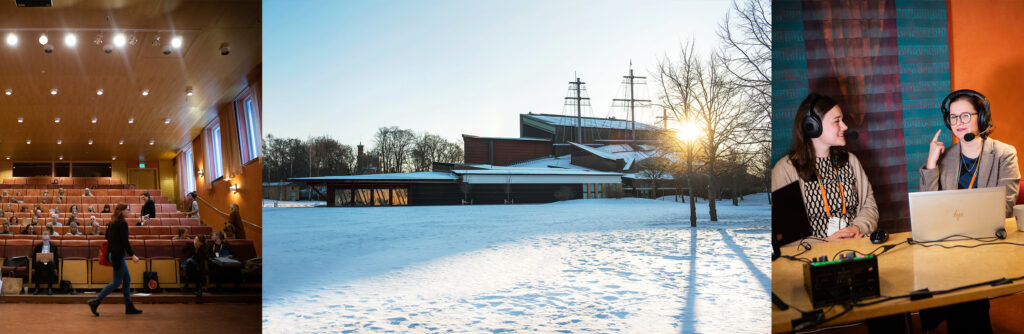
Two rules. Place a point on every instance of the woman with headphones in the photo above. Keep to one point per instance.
(837, 196)
(976, 161)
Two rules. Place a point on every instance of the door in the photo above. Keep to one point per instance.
(142, 178)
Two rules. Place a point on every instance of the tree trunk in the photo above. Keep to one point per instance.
(735, 193)
(689, 186)
(712, 192)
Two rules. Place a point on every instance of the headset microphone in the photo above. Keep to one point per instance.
(971, 136)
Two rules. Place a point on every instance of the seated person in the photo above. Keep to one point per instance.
(73, 230)
(95, 227)
(219, 270)
(219, 248)
(6, 229)
(837, 196)
(106, 208)
(13, 221)
(181, 234)
(235, 220)
(73, 209)
(87, 193)
(50, 230)
(143, 222)
(195, 264)
(45, 271)
(60, 192)
(229, 231)
(56, 220)
(29, 230)
(148, 206)
(92, 208)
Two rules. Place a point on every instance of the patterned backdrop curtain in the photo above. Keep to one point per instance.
(886, 63)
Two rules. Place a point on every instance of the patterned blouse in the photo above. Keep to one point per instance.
(830, 176)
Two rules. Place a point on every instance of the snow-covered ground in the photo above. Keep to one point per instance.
(607, 265)
(269, 203)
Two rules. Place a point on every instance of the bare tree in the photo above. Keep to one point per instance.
(329, 157)
(393, 145)
(430, 148)
(677, 81)
(720, 116)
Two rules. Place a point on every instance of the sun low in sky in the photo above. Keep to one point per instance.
(346, 68)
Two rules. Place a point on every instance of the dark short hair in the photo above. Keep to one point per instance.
(146, 194)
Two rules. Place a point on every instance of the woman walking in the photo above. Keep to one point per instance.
(117, 247)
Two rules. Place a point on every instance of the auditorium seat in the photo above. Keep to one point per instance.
(99, 275)
(16, 248)
(74, 264)
(135, 269)
(163, 262)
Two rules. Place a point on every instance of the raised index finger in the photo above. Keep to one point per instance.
(936, 138)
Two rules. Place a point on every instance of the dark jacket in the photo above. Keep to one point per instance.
(117, 242)
(214, 248)
(149, 209)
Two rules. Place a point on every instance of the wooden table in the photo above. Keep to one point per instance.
(903, 269)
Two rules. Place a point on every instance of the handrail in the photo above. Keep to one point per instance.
(225, 213)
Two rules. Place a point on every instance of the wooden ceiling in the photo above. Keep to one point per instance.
(77, 72)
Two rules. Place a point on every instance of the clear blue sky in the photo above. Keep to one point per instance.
(346, 68)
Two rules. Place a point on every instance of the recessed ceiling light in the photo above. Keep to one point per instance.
(90, 141)
(21, 120)
(176, 42)
(43, 40)
(56, 120)
(70, 40)
(151, 142)
(145, 92)
(94, 119)
(167, 121)
(188, 91)
(8, 92)
(8, 157)
(99, 91)
(114, 158)
(131, 120)
(61, 157)
(29, 141)
(53, 91)
(12, 39)
(120, 142)
(119, 40)
(59, 141)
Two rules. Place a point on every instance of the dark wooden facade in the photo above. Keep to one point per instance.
(503, 151)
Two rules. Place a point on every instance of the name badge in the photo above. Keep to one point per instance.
(834, 225)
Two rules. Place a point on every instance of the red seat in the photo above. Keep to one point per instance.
(160, 249)
(74, 249)
(242, 249)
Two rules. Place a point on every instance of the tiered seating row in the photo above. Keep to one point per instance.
(68, 193)
(133, 231)
(80, 200)
(62, 181)
(134, 207)
(79, 260)
(104, 219)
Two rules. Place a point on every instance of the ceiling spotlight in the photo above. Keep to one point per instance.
(12, 39)
(133, 40)
(188, 91)
(53, 91)
(70, 40)
(43, 40)
(61, 157)
(145, 92)
(21, 120)
(98, 40)
(29, 142)
(94, 120)
(119, 40)
(120, 142)
(151, 142)
(90, 141)
(156, 40)
(8, 157)
(99, 91)
(59, 141)
(167, 121)
(114, 158)
(131, 120)
(56, 120)
(8, 92)
(176, 42)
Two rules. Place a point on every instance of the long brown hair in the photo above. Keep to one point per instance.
(801, 154)
(119, 212)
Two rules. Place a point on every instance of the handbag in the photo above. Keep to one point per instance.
(103, 255)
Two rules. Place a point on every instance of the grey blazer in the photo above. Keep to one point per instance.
(998, 168)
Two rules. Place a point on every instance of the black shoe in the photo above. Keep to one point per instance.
(49, 292)
(93, 304)
(130, 309)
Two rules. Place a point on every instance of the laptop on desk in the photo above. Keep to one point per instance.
(976, 213)
(789, 217)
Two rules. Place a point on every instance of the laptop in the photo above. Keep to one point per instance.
(789, 217)
(976, 213)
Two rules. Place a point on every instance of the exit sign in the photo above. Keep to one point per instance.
(142, 165)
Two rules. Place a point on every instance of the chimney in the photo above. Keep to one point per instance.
(360, 146)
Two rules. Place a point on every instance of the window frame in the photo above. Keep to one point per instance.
(214, 151)
(247, 116)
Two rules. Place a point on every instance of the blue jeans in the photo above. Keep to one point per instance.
(120, 275)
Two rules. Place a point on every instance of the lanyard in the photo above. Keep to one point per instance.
(973, 177)
(824, 195)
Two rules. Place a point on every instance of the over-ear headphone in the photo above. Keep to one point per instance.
(811, 124)
(983, 114)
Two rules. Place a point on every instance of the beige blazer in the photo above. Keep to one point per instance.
(997, 168)
(785, 173)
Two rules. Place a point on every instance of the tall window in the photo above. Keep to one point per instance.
(214, 165)
(189, 175)
(248, 126)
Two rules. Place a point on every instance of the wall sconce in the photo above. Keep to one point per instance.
(234, 188)
(199, 172)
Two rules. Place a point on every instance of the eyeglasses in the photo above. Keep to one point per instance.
(964, 118)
